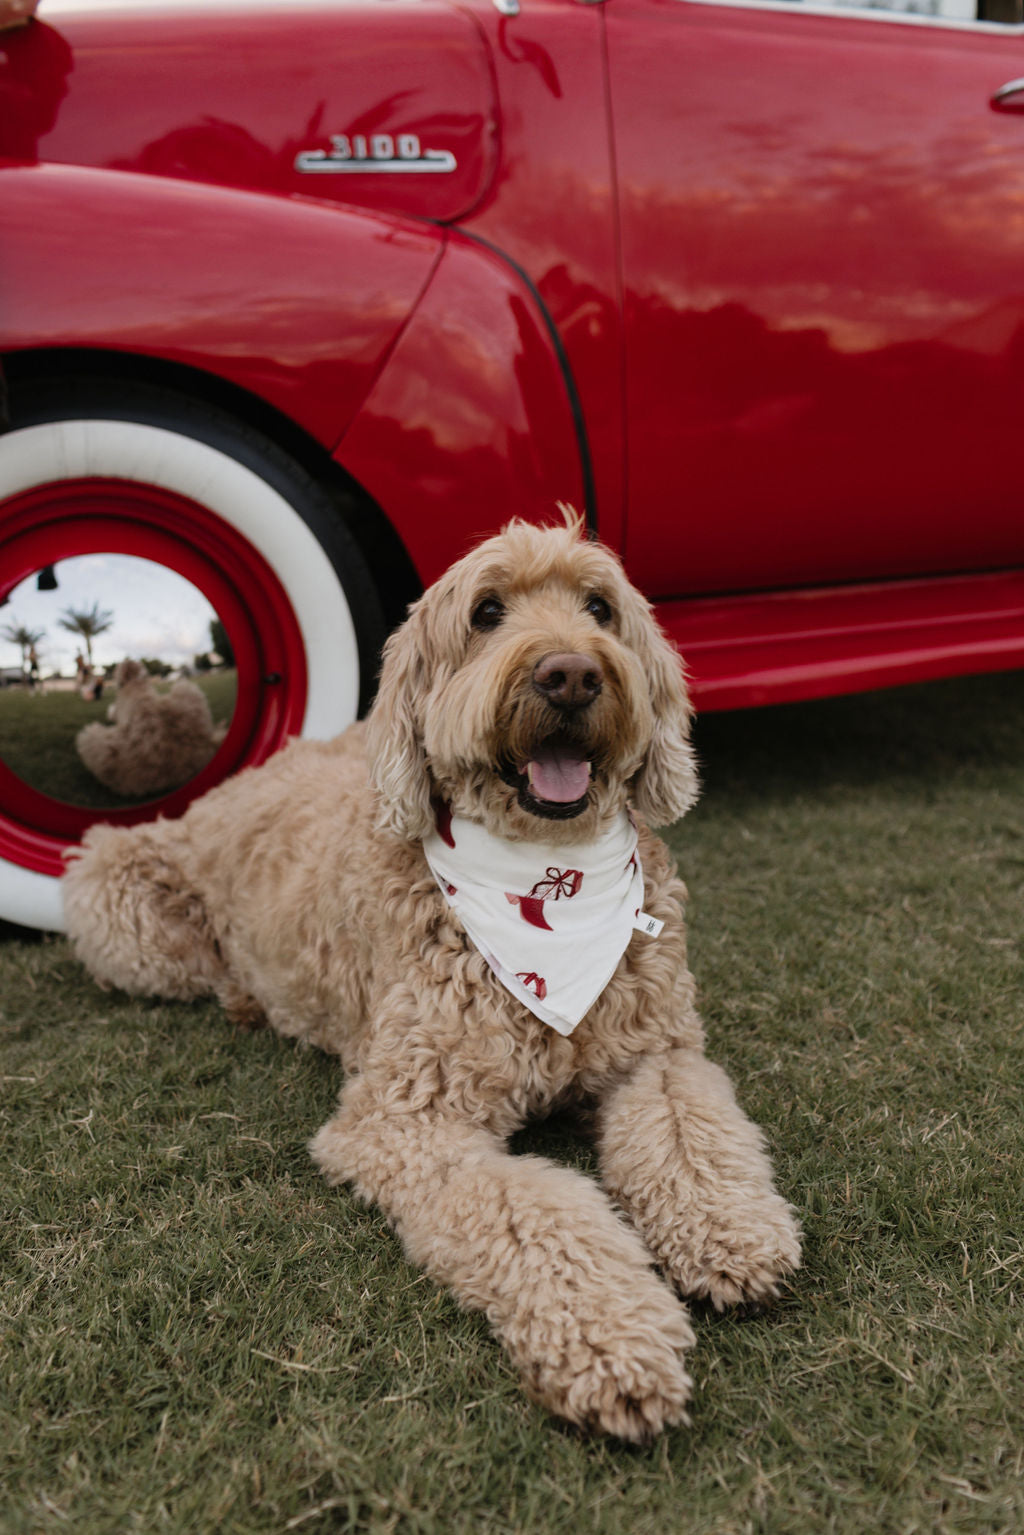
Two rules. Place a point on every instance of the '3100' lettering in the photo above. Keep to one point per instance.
(375, 152)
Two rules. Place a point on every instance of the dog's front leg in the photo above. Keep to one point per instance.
(690, 1168)
(596, 1334)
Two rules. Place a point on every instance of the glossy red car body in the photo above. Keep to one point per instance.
(742, 281)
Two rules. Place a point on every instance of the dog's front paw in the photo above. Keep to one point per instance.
(742, 1257)
(615, 1378)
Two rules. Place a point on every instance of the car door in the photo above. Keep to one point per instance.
(822, 226)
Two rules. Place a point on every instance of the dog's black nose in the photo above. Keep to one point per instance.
(568, 680)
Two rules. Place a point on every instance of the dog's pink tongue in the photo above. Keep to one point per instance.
(558, 774)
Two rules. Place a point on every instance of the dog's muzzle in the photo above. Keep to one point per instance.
(568, 681)
(553, 780)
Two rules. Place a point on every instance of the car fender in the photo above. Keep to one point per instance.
(294, 302)
(475, 417)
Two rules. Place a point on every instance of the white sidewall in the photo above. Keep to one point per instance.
(31, 899)
(152, 455)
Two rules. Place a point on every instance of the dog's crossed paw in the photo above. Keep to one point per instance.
(635, 1403)
(742, 1262)
(628, 1387)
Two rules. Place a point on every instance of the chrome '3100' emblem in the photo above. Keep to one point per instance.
(374, 152)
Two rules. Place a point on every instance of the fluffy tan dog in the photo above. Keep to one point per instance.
(529, 695)
(156, 741)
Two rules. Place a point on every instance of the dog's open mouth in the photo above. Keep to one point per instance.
(554, 781)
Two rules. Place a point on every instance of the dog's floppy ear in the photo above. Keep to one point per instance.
(394, 733)
(666, 785)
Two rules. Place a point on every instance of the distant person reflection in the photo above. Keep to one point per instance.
(35, 62)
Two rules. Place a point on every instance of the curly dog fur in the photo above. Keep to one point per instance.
(155, 741)
(298, 893)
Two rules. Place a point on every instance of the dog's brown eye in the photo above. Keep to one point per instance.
(488, 614)
(598, 609)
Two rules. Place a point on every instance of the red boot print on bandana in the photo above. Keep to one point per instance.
(443, 822)
(533, 982)
(555, 884)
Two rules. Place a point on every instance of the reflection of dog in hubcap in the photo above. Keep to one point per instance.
(461, 898)
(155, 741)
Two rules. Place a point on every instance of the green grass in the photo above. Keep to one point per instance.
(38, 730)
(199, 1335)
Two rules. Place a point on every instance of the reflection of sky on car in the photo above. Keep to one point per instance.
(157, 613)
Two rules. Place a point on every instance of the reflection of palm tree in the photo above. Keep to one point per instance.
(24, 638)
(88, 622)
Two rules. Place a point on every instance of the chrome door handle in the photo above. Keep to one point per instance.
(1009, 97)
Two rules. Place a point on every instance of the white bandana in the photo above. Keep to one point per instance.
(552, 922)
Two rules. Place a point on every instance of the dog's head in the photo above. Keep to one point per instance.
(531, 688)
(128, 673)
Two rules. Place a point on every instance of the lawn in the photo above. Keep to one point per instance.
(199, 1335)
(38, 730)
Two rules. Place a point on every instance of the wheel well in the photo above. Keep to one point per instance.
(393, 572)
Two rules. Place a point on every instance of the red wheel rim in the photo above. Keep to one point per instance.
(57, 521)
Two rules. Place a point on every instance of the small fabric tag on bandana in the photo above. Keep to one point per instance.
(645, 923)
(552, 922)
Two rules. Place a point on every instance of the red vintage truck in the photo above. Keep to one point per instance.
(299, 297)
